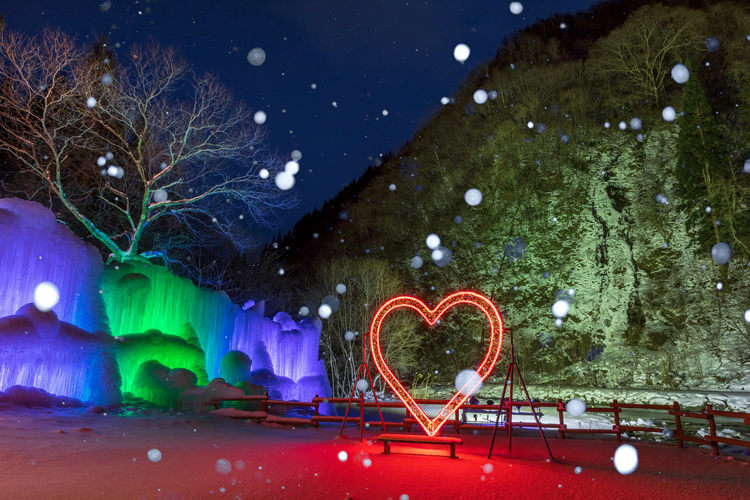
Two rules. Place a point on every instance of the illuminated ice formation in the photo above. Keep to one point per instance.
(132, 351)
(34, 248)
(278, 387)
(38, 350)
(315, 384)
(284, 353)
(157, 383)
(166, 330)
(235, 367)
(142, 296)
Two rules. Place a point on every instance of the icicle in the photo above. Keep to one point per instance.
(73, 363)
(34, 248)
(142, 296)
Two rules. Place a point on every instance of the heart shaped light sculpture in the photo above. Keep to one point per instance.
(432, 426)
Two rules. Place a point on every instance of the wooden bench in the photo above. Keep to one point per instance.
(387, 439)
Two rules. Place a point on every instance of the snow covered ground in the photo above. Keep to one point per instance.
(692, 400)
(69, 453)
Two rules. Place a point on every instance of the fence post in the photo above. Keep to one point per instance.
(712, 429)
(678, 424)
(562, 421)
(617, 420)
(316, 405)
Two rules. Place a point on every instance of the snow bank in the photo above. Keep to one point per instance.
(32, 396)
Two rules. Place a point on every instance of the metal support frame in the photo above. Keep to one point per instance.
(363, 368)
(512, 365)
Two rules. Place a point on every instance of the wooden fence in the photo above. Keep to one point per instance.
(711, 439)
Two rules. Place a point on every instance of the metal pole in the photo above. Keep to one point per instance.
(499, 409)
(362, 393)
(369, 376)
(509, 423)
(509, 376)
(377, 403)
(364, 369)
(361, 412)
(536, 419)
(351, 397)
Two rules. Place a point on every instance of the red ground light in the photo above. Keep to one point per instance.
(69, 455)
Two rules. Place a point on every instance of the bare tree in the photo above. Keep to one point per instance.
(185, 155)
(636, 58)
(370, 282)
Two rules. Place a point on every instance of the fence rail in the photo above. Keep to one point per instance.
(708, 414)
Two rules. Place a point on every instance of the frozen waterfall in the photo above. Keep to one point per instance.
(292, 347)
(65, 361)
(34, 247)
(142, 296)
(154, 315)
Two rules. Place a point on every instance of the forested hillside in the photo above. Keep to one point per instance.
(592, 193)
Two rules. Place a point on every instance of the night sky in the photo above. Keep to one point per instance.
(365, 55)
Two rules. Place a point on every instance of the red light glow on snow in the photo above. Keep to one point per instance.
(432, 426)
